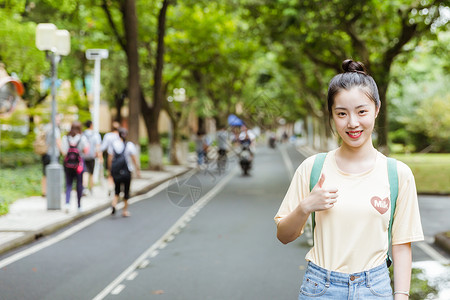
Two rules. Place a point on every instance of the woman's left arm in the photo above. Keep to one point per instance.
(402, 258)
(136, 166)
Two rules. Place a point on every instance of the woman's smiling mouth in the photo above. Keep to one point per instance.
(354, 134)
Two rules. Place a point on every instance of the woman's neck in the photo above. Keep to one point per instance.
(356, 160)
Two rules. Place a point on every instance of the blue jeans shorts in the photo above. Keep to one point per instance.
(324, 284)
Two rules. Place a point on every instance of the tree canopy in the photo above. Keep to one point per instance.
(263, 60)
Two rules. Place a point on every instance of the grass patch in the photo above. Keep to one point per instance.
(431, 171)
(19, 183)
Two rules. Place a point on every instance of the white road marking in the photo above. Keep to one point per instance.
(175, 228)
(287, 162)
(144, 264)
(132, 276)
(118, 289)
(432, 253)
(154, 253)
(67, 233)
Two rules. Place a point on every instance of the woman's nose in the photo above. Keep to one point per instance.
(353, 121)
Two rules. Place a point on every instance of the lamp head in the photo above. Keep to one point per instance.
(49, 38)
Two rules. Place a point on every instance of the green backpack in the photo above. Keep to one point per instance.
(393, 184)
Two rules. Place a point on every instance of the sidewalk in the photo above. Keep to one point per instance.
(29, 219)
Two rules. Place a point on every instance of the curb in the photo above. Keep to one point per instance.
(31, 236)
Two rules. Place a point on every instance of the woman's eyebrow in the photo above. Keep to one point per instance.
(344, 108)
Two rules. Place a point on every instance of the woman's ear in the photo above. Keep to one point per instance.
(377, 110)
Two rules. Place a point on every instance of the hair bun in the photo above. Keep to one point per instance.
(354, 66)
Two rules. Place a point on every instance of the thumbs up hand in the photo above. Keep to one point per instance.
(320, 198)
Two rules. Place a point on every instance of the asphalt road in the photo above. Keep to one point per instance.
(207, 236)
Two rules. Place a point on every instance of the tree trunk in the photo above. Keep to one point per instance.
(382, 125)
(155, 155)
(175, 158)
(119, 100)
(130, 26)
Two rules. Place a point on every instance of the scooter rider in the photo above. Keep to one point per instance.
(247, 138)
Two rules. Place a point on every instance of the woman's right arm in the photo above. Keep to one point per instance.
(290, 227)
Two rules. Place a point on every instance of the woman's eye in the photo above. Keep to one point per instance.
(361, 112)
(341, 114)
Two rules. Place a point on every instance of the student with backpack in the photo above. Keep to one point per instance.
(122, 162)
(74, 146)
(94, 140)
(351, 192)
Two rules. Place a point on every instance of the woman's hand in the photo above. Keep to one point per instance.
(320, 199)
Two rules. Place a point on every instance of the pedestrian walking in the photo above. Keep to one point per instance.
(122, 162)
(74, 146)
(108, 140)
(201, 147)
(94, 139)
(222, 145)
(351, 203)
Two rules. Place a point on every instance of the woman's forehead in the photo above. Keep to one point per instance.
(353, 98)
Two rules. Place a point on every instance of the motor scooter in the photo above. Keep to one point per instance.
(272, 141)
(245, 157)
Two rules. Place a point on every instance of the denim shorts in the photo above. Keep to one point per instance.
(324, 284)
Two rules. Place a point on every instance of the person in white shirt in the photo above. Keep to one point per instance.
(95, 141)
(108, 139)
(122, 176)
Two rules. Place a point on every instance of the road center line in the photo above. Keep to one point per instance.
(175, 227)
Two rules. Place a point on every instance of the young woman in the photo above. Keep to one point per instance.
(351, 201)
(122, 177)
(73, 162)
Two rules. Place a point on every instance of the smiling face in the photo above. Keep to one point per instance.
(354, 116)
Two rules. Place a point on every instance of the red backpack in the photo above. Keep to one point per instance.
(73, 157)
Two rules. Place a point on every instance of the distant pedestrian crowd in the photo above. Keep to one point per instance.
(81, 153)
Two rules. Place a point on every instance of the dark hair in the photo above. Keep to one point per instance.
(75, 128)
(88, 123)
(355, 75)
(115, 126)
(123, 133)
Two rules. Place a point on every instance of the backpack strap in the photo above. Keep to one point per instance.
(393, 186)
(313, 179)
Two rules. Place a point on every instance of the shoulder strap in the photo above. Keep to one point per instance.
(124, 147)
(393, 186)
(313, 179)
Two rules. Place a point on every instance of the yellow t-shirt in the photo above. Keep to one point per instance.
(353, 235)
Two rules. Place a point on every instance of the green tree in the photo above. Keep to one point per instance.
(375, 32)
(419, 96)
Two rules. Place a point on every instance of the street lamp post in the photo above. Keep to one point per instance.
(179, 95)
(56, 43)
(96, 55)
